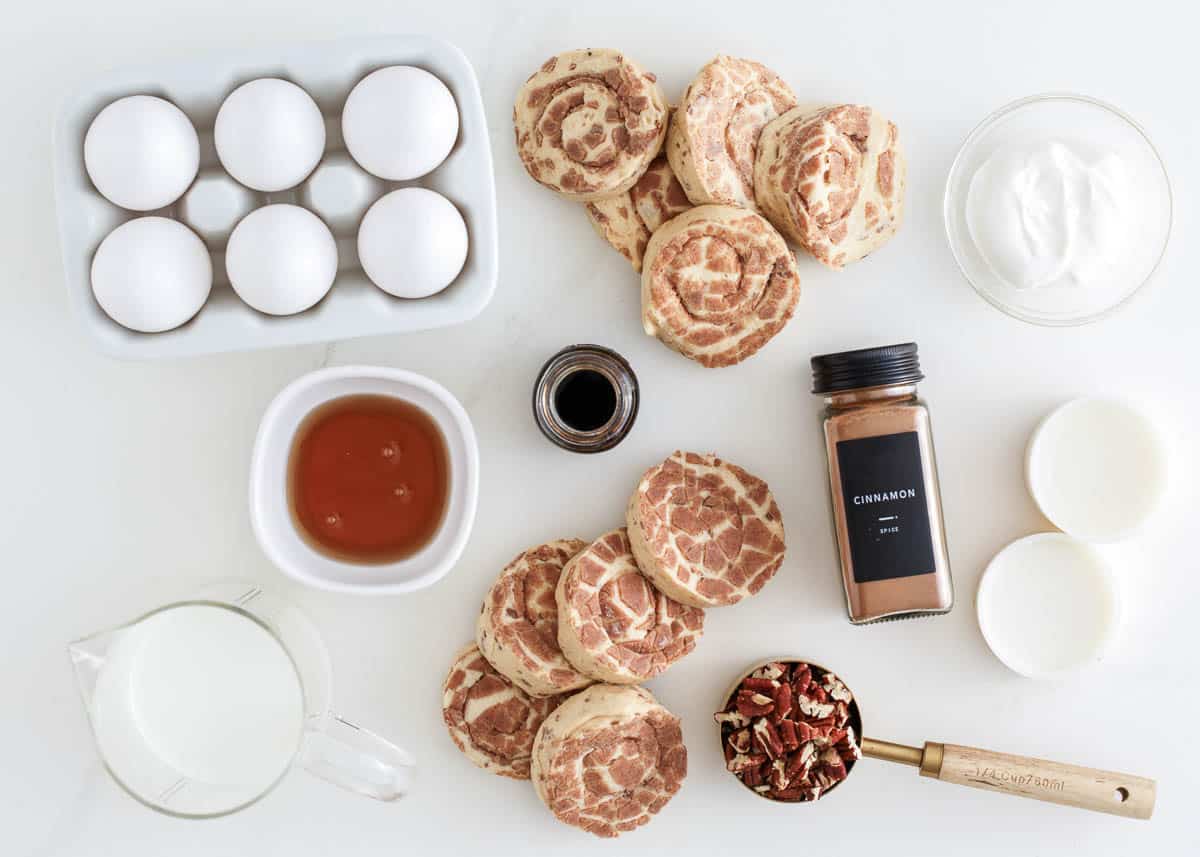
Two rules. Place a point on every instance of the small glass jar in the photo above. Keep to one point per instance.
(585, 398)
(887, 507)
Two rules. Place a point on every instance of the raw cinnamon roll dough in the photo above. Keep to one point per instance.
(588, 123)
(627, 221)
(714, 137)
(613, 625)
(492, 721)
(608, 759)
(518, 625)
(705, 532)
(832, 180)
(717, 283)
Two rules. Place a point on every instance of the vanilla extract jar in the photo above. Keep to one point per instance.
(887, 508)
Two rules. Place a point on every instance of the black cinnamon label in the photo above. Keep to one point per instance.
(887, 513)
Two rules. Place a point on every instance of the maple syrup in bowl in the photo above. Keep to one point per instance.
(368, 478)
(364, 479)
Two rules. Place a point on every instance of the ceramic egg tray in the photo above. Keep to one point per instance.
(338, 191)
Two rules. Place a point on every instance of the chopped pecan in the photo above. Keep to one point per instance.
(745, 761)
(787, 734)
(753, 704)
(779, 778)
(783, 702)
(836, 690)
(767, 738)
(753, 776)
(801, 679)
(770, 671)
(733, 718)
(848, 747)
(813, 707)
(761, 685)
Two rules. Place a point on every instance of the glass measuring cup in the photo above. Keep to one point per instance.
(200, 707)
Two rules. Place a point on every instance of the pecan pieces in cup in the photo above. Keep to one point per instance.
(790, 731)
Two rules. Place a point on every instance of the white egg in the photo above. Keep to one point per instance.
(141, 152)
(400, 122)
(412, 242)
(269, 134)
(151, 274)
(281, 259)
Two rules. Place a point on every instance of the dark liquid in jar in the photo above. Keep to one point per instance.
(368, 478)
(585, 400)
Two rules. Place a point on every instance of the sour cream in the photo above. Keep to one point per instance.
(1051, 214)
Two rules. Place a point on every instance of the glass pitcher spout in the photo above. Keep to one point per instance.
(88, 656)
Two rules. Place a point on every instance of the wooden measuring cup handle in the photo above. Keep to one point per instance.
(1071, 785)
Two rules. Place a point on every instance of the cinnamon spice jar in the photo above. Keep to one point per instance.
(887, 508)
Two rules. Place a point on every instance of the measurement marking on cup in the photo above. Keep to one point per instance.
(172, 790)
(248, 596)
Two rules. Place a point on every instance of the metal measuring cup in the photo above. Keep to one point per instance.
(1054, 782)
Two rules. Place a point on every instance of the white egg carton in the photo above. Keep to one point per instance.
(338, 191)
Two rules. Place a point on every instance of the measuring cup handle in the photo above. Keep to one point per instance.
(349, 756)
(1071, 785)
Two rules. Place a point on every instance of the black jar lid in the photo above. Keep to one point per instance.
(886, 366)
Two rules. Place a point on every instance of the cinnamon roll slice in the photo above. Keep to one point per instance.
(627, 221)
(518, 625)
(609, 759)
(714, 137)
(705, 532)
(832, 180)
(491, 720)
(613, 625)
(718, 282)
(589, 122)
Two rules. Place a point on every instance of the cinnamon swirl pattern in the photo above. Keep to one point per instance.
(705, 532)
(714, 137)
(608, 759)
(613, 625)
(588, 123)
(718, 282)
(627, 221)
(518, 626)
(832, 180)
(489, 719)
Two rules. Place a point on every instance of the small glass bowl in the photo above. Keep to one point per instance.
(1057, 116)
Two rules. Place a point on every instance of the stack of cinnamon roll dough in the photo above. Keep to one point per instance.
(549, 690)
(700, 198)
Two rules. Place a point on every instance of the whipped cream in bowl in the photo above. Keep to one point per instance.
(1058, 209)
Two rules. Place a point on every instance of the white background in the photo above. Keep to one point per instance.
(124, 485)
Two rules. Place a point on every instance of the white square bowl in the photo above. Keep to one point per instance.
(270, 507)
(354, 306)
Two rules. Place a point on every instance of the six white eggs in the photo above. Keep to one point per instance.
(142, 153)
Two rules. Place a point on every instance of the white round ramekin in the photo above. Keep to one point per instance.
(270, 513)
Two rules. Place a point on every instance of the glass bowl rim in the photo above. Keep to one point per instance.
(957, 164)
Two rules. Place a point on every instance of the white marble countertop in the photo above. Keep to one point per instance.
(124, 485)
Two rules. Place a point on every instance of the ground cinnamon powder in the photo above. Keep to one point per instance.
(887, 508)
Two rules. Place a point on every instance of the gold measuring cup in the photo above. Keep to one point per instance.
(1054, 782)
